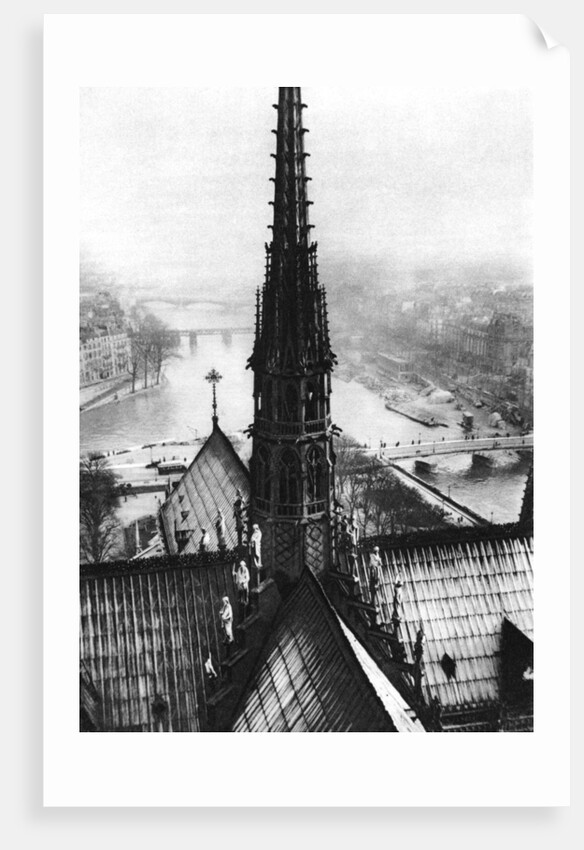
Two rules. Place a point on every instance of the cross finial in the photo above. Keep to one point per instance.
(214, 377)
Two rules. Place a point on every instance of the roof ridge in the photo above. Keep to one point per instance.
(217, 430)
(347, 644)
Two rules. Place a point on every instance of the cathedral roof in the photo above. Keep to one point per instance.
(147, 629)
(208, 486)
(461, 592)
(314, 675)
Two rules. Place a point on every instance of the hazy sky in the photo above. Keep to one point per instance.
(175, 188)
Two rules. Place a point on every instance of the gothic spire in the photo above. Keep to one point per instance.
(292, 462)
(291, 225)
(292, 328)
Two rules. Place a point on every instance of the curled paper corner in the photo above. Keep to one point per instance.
(541, 35)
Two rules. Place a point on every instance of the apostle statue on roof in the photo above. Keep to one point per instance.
(226, 617)
(210, 669)
(255, 547)
(221, 532)
(239, 510)
(353, 543)
(241, 579)
(420, 645)
(205, 542)
(374, 573)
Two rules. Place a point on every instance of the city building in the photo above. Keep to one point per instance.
(275, 618)
(103, 357)
(104, 345)
(398, 368)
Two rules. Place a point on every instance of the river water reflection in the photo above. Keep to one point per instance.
(180, 409)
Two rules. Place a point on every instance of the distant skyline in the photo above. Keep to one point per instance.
(175, 189)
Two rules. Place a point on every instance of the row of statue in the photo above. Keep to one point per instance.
(241, 580)
(347, 535)
(240, 512)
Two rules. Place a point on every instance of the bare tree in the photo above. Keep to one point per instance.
(98, 500)
(392, 507)
(163, 347)
(350, 462)
(151, 345)
(381, 503)
(135, 357)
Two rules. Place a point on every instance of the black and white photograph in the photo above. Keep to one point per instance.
(293, 484)
(306, 410)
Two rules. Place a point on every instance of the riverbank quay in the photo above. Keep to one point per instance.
(428, 424)
(413, 401)
(102, 392)
(115, 395)
(150, 452)
(459, 514)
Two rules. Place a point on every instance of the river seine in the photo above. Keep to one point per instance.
(180, 409)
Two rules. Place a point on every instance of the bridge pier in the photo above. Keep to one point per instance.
(227, 337)
(192, 339)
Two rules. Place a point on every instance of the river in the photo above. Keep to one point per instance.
(180, 409)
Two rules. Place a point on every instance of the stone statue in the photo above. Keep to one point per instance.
(209, 669)
(241, 579)
(353, 542)
(398, 596)
(374, 573)
(205, 543)
(255, 547)
(221, 532)
(226, 616)
(420, 644)
(239, 510)
(436, 714)
(419, 660)
(397, 607)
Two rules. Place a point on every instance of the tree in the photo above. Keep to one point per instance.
(98, 500)
(380, 501)
(151, 345)
(162, 346)
(135, 356)
(351, 463)
(396, 508)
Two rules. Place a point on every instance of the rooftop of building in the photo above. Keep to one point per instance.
(147, 629)
(314, 675)
(209, 485)
(461, 591)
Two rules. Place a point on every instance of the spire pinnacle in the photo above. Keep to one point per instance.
(291, 330)
(290, 198)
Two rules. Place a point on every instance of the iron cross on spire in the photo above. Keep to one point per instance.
(214, 377)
